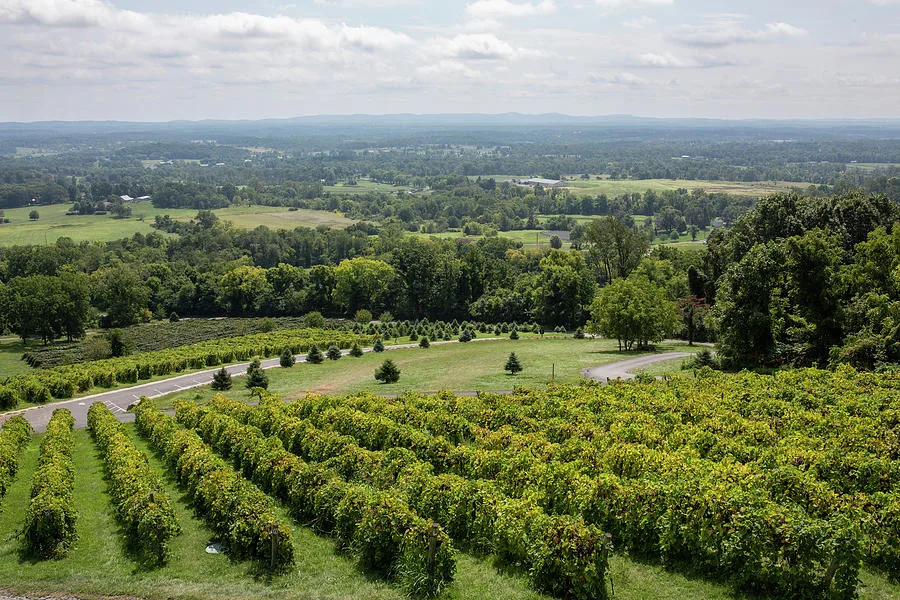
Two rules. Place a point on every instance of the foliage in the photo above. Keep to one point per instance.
(356, 350)
(14, 436)
(50, 518)
(286, 358)
(137, 492)
(314, 356)
(387, 372)
(234, 508)
(256, 377)
(333, 353)
(635, 311)
(424, 342)
(221, 380)
(512, 364)
(378, 346)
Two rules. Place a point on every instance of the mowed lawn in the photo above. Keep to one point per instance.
(615, 187)
(11, 362)
(54, 223)
(457, 367)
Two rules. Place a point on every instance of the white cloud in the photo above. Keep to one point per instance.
(500, 9)
(609, 6)
(641, 22)
(666, 60)
(724, 32)
(69, 13)
(619, 79)
(480, 46)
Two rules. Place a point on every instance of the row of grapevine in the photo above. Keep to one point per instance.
(562, 554)
(14, 436)
(50, 516)
(137, 492)
(386, 534)
(716, 517)
(67, 380)
(234, 508)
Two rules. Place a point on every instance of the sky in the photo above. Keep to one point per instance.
(163, 60)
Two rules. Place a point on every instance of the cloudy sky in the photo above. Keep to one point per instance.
(193, 59)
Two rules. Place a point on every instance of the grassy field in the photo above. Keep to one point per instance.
(53, 222)
(456, 367)
(615, 187)
(363, 186)
(11, 362)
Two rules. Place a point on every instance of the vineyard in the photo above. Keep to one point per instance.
(62, 382)
(782, 486)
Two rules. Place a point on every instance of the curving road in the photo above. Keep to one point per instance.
(622, 369)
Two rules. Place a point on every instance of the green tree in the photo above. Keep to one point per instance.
(555, 242)
(286, 358)
(333, 353)
(314, 320)
(378, 346)
(613, 249)
(244, 289)
(634, 311)
(33, 215)
(221, 380)
(356, 351)
(424, 342)
(364, 282)
(512, 364)
(256, 377)
(563, 288)
(122, 293)
(314, 356)
(363, 316)
(387, 372)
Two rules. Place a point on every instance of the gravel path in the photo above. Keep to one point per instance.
(623, 368)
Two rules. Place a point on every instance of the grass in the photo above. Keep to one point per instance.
(456, 367)
(54, 223)
(665, 367)
(11, 362)
(363, 186)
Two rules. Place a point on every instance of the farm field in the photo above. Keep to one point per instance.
(53, 222)
(615, 187)
(363, 186)
(458, 367)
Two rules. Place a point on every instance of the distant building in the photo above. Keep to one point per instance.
(126, 198)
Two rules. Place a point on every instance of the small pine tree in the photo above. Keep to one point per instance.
(173, 317)
(465, 336)
(333, 353)
(314, 356)
(378, 346)
(356, 351)
(221, 380)
(514, 334)
(256, 377)
(512, 364)
(387, 372)
(413, 336)
(424, 343)
(286, 359)
(579, 334)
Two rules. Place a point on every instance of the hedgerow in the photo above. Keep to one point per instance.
(380, 528)
(234, 508)
(137, 492)
(50, 516)
(64, 381)
(14, 436)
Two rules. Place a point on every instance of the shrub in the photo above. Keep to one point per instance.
(333, 353)
(514, 334)
(378, 346)
(267, 325)
(314, 356)
(314, 320)
(173, 317)
(286, 359)
(424, 343)
(363, 316)
(9, 398)
(356, 350)
(50, 515)
(512, 364)
(465, 336)
(386, 317)
(413, 336)
(256, 377)
(579, 334)
(221, 380)
(387, 372)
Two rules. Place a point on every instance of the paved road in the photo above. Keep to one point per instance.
(119, 400)
(622, 369)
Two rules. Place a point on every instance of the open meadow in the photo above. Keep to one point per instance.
(54, 223)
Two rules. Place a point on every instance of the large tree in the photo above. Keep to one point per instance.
(634, 311)
(563, 289)
(613, 249)
(365, 283)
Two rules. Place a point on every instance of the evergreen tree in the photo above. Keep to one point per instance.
(424, 343)
(387, 372)
(314, 356)
(466, 336)
(333, 353)
(356, 351)
(579, 334)
(221, 380)
(286, 359)
(256, 377)
(378, 346)
(512, 364)
(514, 334)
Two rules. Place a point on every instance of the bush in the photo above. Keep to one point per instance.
(286, 359)
(314, 356)
(514, 334)
(386, 317)
(9, 398)
(579, 334)
(14, 437)
(378, 346)
(465, 336)
(413, 336)
(363, 316)
(387, 372)
(512, 364)
(314, 320)
(333, 353)
(356, 351)
(50, 515)
(256, 377)
(221, 380)
(424, 343)
(173, 317)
